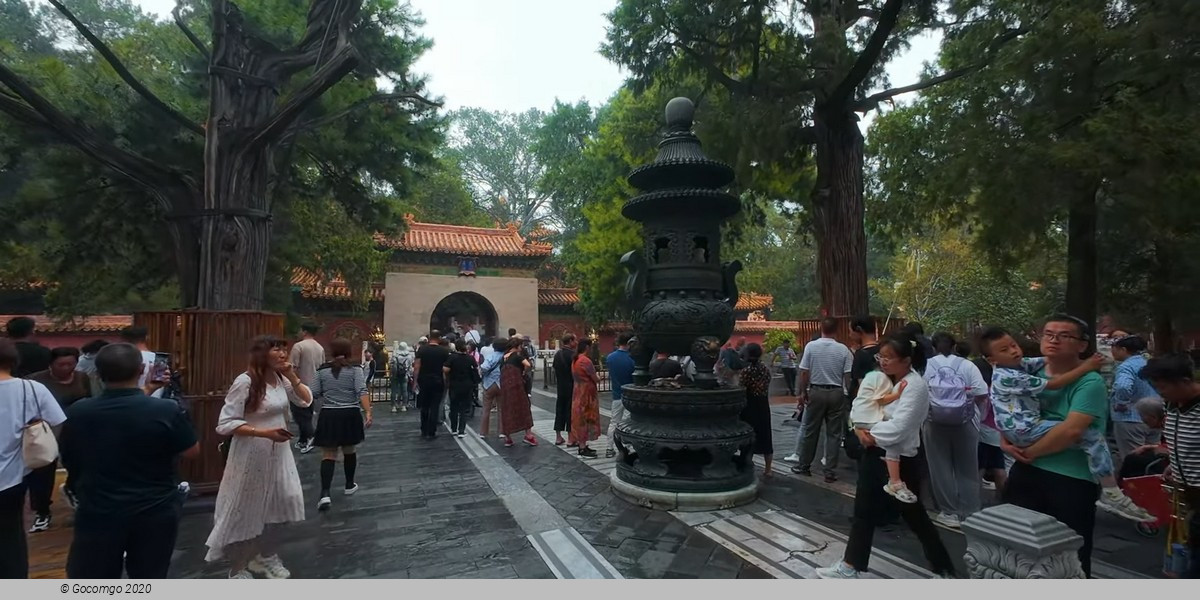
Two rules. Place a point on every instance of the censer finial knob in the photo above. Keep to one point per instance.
(680, 113)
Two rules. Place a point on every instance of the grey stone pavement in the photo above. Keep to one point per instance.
(471, 508)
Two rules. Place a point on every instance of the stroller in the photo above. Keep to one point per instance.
(1142, 481)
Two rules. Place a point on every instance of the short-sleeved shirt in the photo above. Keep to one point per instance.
(827, 361)
(344, 390)
(785, 357)
(1087, 396)
(65, 393)
(21, 401)
(1016, 394)
(620, 370)
(433, 357)
(464, 371)
(122, 448)
(307, 356)
(33, 357)
(1181, 432)
(864, 363)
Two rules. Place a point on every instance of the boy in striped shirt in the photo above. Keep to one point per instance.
(1173, 376)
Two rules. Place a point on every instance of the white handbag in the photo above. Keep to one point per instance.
(38, 445)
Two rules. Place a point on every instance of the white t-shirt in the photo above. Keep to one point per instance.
(21, 400)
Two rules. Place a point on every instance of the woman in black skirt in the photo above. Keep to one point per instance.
(756, 378)
(345, 414)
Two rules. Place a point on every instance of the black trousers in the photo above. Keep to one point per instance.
(789, 377)
(141, 545)
(303, 416)
(430, 403)
(562, 405)
(460, 406)
(869, 503)
(14, 555)
(40, 483)
(1072, 501)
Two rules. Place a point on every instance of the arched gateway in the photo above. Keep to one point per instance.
(462, 309)
(446, 275)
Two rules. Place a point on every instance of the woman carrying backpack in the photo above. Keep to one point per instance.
(951, 433)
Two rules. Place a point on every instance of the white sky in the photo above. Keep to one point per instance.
(516, 54)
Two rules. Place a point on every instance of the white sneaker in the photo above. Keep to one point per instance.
(839, 571)
(324, 503)
(948, 520)
(900, 492)
(268, 566)
(989, 486)
(350, 490)
(792, 458)
(243, 574)
(1113, 500)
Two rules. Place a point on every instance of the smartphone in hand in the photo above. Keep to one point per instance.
(161, 371)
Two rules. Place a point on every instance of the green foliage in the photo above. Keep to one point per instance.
(778, 260)
(775, 338)
(350, 166)
(942, 282)
(1087, 111)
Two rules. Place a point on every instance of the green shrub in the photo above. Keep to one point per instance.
(775, 339)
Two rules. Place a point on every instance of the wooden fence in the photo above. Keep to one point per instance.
(208, 350)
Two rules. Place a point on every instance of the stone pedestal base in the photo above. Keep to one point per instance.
(683, 501)
(1010, 542)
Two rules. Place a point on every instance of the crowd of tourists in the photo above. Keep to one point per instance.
(913, 410)
(910, 410)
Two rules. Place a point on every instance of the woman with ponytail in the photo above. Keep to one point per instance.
(260, 486)
(585, 402)
(345, 414)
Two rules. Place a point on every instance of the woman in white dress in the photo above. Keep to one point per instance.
(260, 486)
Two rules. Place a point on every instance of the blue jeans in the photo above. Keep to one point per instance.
(1099, 460)
(400, 391)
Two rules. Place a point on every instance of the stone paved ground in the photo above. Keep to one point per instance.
(426, 510)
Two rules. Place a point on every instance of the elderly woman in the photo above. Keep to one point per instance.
(1128, 387)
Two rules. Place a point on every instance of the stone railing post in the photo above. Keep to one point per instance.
(1010, 542)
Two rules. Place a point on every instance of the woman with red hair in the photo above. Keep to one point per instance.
(260, 486)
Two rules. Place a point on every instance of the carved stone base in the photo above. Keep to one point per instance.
(683, 501)
(1010, 542)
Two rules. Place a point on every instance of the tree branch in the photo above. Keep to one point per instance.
(37, 111)
(124, 73)
(866, 60)
(870, 102)
(344, 60)
(376, 99)
(325, 17)
(187, 32)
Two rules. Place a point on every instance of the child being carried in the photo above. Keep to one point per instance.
(1016, 386)
(874, 393)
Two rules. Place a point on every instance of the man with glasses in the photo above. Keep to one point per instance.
(1052, 476)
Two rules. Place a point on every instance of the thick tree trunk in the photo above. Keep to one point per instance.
(1082, 274)
(837, 203)
(1161, 300)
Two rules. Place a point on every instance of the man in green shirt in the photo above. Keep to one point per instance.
(1052, 476)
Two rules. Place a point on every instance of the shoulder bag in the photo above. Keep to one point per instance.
(38, 446)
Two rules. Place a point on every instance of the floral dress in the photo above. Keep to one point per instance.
(261, 485)
(757, 381)
(585, 402)
(515, 412)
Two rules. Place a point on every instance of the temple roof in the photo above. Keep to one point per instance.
(461, 240)
(96, 324)
(313, 285)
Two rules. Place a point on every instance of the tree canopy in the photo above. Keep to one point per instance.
(104, 143)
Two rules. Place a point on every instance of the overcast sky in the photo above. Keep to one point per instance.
(516, 54)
